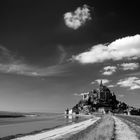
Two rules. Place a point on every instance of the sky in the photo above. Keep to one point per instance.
(52, 51)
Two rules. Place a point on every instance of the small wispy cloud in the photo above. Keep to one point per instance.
(129, 66)
(123, 48)
(104, 81)
(93, 82)
(77, 18)
(109, 70)
(111, 86)
(134, 74)
(63, 54)
(24, 69)
(121, 95)
(9, 63)
(6, 56)
(80, 94)
(131, 82)
(77, 94)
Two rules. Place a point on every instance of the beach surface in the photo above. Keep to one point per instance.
(94, 127)
(62, 131)
(13, 127)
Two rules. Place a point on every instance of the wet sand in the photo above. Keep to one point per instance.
(26, 125)
(62, 131)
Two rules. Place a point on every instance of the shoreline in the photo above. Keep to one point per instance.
(107, 126)
(59, 131)
(70, 121)
(10, 137)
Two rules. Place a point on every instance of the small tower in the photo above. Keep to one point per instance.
(67, 111)
(101, 86)
(101, 83)
(100, 89)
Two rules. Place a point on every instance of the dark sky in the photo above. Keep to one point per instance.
(36, 47)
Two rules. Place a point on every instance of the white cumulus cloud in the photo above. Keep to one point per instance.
(124, 48)
(109, 70)
(129, 66)
(131, 82)
(77, 18)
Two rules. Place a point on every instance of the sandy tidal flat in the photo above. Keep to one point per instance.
(61, 132)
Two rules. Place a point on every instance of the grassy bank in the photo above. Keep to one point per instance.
(132, 122)
(101, 130)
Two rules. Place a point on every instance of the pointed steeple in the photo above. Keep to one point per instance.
(101, 83)
(101, 86)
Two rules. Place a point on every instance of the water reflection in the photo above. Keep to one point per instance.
(71, 118)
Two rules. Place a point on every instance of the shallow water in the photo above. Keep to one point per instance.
(14, 126)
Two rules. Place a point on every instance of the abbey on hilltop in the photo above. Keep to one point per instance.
(100, 100)
(102, 95)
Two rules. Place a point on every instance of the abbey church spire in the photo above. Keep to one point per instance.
(101, 83)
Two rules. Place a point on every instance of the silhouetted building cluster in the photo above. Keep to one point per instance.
(100, 100)
(102, 95)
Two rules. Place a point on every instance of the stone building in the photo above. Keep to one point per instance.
(99, 99)
(85, 96)
(103, 94)
(104, 101)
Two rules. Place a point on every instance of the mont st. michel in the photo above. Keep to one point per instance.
(101, 100)
(83, 55)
